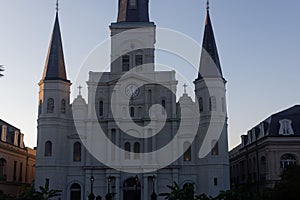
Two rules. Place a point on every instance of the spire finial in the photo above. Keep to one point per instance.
(207, 5)
(79, 88)
(56, 6)
(184, 88)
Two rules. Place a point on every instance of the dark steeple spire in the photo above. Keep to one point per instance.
(55, 63)
(133, 11)
(209, 63)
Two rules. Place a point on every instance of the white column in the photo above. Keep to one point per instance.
(145, 190)
(118, 144)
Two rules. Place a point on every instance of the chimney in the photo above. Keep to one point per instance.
(3, 135)
(16, 137)
(21, 140)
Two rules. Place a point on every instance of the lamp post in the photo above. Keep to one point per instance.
(91, 195)
(153, 195)
(108, 195)
(137, 189)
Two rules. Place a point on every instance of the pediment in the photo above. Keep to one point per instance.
(141, 78)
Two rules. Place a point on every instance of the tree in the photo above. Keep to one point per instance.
(177, 193)
(288, 186)
(187, 193)
(1, 70)
(45, 193)
(27, 193)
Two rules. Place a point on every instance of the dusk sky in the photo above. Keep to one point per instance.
(258, 43)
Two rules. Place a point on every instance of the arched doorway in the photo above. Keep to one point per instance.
(75, 192)
(132, 189)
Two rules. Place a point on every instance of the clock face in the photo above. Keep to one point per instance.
(132, 91)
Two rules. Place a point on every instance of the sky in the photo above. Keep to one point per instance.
(258, 43)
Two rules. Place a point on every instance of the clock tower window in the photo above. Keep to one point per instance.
(125, 63)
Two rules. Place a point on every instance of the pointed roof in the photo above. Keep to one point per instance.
(209, 63)
(133, 11)
(55, 63)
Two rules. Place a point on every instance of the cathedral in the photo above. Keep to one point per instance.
(132, 135)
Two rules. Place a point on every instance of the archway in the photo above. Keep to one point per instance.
(75, 191)
(132, 189)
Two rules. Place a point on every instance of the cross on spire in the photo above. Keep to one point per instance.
(79, 89)
(184, 88)
(57, 6)
(207, 5)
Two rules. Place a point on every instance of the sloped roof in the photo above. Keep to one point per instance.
(209, 63)
(55, 63)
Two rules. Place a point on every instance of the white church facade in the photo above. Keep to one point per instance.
(132, 136)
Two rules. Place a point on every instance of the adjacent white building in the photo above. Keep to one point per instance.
(129, 113)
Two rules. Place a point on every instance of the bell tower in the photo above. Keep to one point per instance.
(132, 38)
(133, 11)
(54, 115)
(210, 90)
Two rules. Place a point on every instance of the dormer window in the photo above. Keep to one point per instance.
(286, 127)
(132, 4)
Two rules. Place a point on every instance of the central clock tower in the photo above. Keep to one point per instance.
(132, 38)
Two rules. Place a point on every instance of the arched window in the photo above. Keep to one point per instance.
(212, 103)
(136, 150)
(3, 169)
(50, 105)
(48, 148)
(77, 152)
(286, 160)
(75, 191)
(263, 168)
(201, 104)
(63, 106)
(187, 156)
(101, 108)
(163, 104)
(215, 148)
(125, 63)
(127, 151)
(131, 111)
(215, 181)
